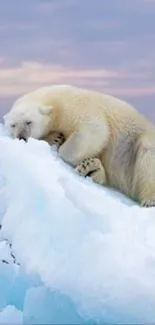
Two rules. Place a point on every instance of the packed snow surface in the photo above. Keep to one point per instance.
(71, 251)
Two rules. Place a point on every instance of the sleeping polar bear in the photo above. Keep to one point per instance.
(98, 134)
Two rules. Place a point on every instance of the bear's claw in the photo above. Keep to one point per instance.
(148, 203)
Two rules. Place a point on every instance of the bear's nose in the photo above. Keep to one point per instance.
(21, 137)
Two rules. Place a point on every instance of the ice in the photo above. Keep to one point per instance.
(45, 307)
(6, 280)
(10, 315)
(22, 283)
(85, 253)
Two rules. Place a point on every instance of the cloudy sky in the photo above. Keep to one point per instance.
(106, 45)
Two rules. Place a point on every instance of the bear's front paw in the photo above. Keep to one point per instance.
(93, 168)
(59, 140)
(98, 176)
(87, 166)
(55, 139)
(148, 203)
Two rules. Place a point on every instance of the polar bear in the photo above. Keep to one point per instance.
(100, 135)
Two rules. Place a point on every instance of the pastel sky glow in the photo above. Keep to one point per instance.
(98, 44)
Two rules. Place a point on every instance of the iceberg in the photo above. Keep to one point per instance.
(71, 251)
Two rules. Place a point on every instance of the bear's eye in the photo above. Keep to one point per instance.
(28, 122)
(13, 125)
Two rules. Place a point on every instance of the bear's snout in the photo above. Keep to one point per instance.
(22, 138)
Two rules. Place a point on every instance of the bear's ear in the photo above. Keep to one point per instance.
(46, 110)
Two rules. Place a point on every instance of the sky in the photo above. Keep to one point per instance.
(105, 45)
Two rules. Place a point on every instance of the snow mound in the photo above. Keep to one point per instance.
(71, 251)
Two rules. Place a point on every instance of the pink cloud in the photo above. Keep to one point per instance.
(31, 75)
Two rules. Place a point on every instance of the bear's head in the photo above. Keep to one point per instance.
(28, 120)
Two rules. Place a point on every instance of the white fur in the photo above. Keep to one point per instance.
(94, 125)
(22, 113)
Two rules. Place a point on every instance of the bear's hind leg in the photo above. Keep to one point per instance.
(92, 167)
(145, 175)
